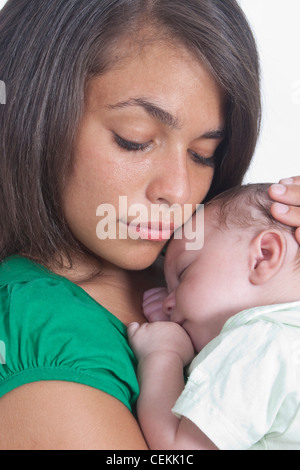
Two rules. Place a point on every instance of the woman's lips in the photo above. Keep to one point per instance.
(152, 231)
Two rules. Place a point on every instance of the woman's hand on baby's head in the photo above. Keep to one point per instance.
(162, 337)
(286, 209)
(153, 304)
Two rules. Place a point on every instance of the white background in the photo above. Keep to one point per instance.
(276, 27)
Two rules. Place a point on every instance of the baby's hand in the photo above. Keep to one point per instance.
(153, 302)
(160, 337)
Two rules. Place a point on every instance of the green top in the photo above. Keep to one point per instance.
(51, 329)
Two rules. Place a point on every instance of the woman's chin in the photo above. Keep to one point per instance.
(138, 262)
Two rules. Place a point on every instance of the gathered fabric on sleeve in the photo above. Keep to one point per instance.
(52, 329)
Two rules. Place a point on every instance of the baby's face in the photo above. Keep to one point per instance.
(206, 286)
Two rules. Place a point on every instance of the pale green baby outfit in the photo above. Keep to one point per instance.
(243, 389)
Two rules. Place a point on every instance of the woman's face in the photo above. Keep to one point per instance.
(149, 131)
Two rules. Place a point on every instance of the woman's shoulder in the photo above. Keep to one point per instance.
(29, 289)
(53, 330)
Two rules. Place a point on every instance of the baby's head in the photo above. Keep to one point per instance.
(248, 259)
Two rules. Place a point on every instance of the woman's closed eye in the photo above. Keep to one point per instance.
(131, 146)
(210, 161)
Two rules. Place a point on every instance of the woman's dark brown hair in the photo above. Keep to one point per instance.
(50, 48)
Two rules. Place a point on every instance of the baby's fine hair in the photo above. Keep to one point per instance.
(247, 206)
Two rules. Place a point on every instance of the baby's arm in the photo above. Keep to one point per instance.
(163, 349)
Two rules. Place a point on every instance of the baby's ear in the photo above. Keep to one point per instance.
(267, 254)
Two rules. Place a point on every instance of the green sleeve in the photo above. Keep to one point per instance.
(52, 331)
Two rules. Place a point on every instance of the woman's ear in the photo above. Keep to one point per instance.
(267, 253)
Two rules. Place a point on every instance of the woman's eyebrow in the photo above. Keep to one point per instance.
(164, 116)
(152, 109)
(215, 134)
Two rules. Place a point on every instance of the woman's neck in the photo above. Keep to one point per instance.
(118, 290)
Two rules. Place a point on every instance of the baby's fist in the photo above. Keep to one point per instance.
(163, 337)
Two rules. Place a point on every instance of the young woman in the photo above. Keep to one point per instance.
(153, 101)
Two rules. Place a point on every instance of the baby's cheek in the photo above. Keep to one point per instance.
(186, 299)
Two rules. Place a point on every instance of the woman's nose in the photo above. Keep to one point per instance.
(169, 304)
(170, 183)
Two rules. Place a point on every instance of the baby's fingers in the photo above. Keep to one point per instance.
(153, 304)
(154, 294)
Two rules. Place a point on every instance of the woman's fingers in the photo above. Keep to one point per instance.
(286, 193)
(286, 209)
(288, 215)
(293, 180)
